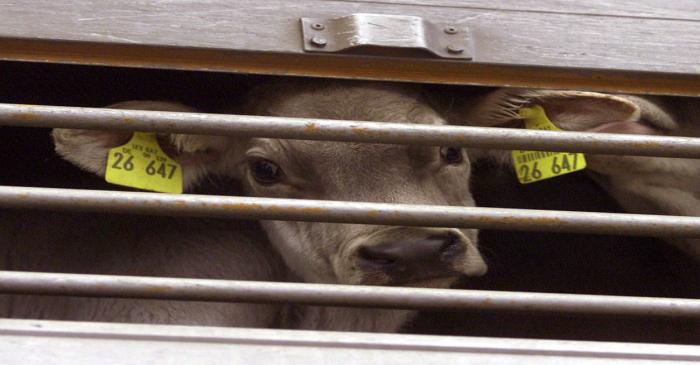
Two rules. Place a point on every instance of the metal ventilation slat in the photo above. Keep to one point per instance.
(338, 295)
(347, 131)
(348, 212)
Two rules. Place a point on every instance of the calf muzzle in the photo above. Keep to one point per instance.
(430, 255)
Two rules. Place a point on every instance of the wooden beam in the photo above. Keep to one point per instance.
(348, 67)
(565, 46)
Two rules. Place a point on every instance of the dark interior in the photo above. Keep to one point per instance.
(537, 262)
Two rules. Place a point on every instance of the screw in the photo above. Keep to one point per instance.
(319, 41)
(318, 26)
(454, 49)
(450, 30)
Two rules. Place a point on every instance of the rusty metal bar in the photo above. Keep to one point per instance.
(348, 212)
(355, 131)
(337, 295)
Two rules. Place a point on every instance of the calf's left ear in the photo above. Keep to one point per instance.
(568, 110)
(572, 110)
(88, 149)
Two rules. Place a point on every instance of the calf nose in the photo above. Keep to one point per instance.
(430, 255)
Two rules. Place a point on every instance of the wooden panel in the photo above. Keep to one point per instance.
(660, 9)
(519, 48)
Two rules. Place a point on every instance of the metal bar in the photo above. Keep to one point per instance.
(337, 295)
(347, 131)
(35, 341)
(348, 212)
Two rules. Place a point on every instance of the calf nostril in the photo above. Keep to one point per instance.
(451, 245)
(450, 242)
(376, 257)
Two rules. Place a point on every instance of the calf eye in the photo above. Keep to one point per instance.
(265, 171)
(451, 155)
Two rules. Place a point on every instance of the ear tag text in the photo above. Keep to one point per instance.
(142, 164)
(533, 166)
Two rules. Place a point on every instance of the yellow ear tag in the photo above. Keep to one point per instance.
(532, 166)
(142, 164)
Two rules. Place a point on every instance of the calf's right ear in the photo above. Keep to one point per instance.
(88, 149)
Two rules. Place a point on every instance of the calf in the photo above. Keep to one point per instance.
(652, 185)
(321, 252)
(130, 245)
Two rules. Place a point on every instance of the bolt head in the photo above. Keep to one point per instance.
(450, 30)
(453, 49)
(319, 41)
(318, 26)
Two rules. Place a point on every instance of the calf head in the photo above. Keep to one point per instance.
(640, 184)
(268, 167)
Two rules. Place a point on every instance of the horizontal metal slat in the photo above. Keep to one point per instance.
(63, 342)
(348, 212)
(338, 295)
(348, 131)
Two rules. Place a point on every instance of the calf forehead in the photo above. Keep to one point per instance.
(371, 172)
(342, 163)
(366, 101)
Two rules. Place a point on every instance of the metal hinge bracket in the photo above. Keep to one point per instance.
(386, 35)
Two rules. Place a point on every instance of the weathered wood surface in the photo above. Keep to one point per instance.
(644, 46)
(660, 9)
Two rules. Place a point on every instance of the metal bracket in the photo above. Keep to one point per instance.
(385, 34)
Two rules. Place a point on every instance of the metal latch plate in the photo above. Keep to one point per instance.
(359, 32)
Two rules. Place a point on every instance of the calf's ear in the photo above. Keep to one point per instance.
(572, 110)
(88, 149)
(568, 110)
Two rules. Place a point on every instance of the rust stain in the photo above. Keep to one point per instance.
(544, 220)
(158, 289)
(311, 127)
(278, 209)
(240, 206)
(373, 213)
(311, 210)
(271, 209)
(362, 131)
(27, 117)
